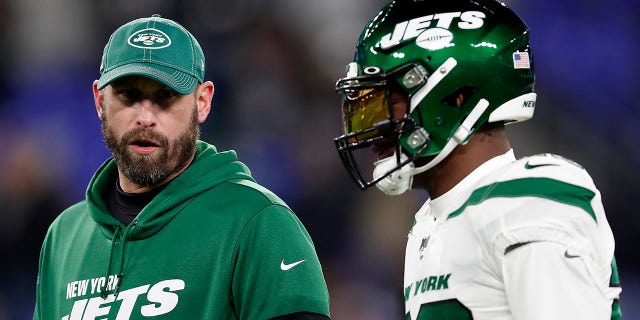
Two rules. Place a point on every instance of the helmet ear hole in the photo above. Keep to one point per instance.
(457, 97)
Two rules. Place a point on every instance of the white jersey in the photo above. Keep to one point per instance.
(516, 239)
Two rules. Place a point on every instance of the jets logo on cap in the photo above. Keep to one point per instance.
(149, 38)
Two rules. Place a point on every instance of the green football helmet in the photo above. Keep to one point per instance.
(432, 52)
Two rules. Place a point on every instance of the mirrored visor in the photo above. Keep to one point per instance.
(362, 108)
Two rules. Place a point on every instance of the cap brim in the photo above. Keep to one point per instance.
(179, 81)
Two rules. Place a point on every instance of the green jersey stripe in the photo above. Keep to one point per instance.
(533, 187)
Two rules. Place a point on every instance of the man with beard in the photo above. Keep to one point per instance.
(171, 227)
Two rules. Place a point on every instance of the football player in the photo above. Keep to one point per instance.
(431, 88)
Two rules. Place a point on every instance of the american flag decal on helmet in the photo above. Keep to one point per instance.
(521, 60)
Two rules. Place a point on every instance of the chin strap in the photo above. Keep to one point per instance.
(395, 180)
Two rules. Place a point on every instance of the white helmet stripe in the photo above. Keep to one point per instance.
(432, 81)
(460, 136)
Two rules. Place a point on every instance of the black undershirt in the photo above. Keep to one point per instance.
(126, 206)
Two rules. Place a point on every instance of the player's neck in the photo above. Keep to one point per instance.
(482, 146)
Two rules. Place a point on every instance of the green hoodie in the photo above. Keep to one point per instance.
(212, 245)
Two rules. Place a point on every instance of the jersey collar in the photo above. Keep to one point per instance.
(445, 203)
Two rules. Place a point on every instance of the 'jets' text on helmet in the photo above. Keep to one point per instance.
(432, 52)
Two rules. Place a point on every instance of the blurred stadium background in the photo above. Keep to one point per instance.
(274, 64)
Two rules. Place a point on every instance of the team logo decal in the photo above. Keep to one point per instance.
(432, 31)
(149, 38)
(435, 39)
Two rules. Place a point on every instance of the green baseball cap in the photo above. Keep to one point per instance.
(157, 48)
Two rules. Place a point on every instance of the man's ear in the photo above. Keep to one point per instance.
(98, 98)
(204, 95)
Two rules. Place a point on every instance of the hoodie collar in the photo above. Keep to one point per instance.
(208, 169)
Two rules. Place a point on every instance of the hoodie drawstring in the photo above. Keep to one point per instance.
(117, 235)
(119, 275)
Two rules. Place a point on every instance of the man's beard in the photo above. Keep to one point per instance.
(152, 169)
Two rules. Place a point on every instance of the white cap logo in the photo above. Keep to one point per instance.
(149, 38)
